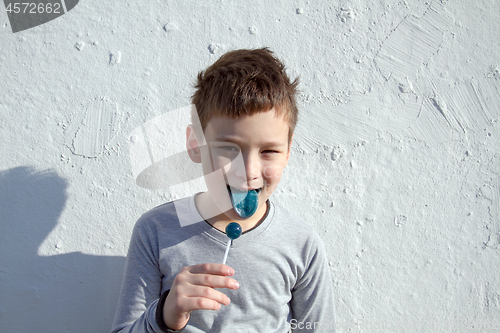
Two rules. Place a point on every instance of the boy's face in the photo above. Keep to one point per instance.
(245, 153)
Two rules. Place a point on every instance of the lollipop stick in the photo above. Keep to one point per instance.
(233, 231)
(229, 242)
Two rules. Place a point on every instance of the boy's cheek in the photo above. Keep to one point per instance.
(273, 172)
(218, 190)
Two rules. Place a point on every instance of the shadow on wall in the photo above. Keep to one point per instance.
(71, 292)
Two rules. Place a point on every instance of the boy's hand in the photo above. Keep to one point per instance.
(193, 289)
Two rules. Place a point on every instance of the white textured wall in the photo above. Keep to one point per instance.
(395, 160)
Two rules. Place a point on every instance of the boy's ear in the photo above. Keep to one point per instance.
(192, 144)
(289, 148)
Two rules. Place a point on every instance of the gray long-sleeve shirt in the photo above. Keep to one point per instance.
(281, 266)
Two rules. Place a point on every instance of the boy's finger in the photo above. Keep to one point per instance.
(212, 268)
(208, 293)
(214, 281)
(201, 303)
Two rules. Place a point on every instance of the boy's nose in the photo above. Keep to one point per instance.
(249, 169)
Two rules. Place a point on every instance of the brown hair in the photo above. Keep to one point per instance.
(244, 82)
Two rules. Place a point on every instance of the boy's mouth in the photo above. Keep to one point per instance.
(244, 202)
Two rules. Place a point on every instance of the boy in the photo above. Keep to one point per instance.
(277, 277)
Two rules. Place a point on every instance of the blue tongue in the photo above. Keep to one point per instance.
(244, 203)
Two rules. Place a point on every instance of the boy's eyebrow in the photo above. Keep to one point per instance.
(233, 140)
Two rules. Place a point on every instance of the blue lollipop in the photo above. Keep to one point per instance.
(233, 231)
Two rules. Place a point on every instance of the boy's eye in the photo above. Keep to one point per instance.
(229, 148)
(269, 151)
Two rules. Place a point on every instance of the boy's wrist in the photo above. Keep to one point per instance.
(159, 315)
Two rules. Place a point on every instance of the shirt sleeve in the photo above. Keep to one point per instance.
(312, 298)
(141, 288)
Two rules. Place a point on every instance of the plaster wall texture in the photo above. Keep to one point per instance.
(395, 160)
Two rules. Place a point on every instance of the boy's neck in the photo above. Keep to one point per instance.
(204, 203)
